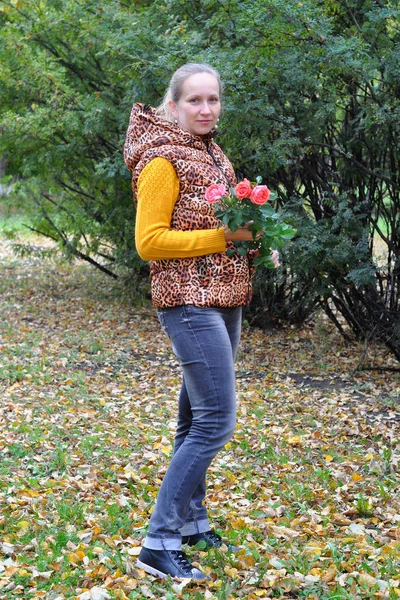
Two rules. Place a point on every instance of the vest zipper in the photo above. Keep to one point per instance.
(210, 152)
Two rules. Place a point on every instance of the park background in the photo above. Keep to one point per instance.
(309, 485)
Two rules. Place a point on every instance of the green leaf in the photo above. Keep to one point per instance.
(267, 210)
(242, 251)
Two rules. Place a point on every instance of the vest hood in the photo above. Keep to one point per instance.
(148, 130)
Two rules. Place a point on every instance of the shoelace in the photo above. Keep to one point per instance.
(182, 561)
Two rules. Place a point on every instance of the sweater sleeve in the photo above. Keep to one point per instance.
(157, 192)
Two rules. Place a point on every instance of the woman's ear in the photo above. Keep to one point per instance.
(172, 108)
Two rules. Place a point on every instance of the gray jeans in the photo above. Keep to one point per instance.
(205, 341)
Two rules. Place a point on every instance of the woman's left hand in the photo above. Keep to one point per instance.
(275, 258)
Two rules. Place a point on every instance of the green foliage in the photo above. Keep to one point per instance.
(311, 105)
(65, 103)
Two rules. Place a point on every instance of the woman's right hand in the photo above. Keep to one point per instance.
(242, 234)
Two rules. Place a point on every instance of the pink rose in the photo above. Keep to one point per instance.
(243, 189)
(214, 192)
(260, 194)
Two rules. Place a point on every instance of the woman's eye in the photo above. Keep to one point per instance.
(197, 100)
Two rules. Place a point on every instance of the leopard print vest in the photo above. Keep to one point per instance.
(204, 281)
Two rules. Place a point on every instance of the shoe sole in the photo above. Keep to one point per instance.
(150, 570)
(157, 573)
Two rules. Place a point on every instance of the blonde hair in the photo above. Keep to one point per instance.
(174, 90)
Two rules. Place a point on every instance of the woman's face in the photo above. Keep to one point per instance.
(198, 108)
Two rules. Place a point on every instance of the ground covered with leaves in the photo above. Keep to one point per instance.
(309, 487)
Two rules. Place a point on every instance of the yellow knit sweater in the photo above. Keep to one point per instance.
(157, 192)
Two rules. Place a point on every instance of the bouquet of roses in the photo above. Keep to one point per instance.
(248, 203)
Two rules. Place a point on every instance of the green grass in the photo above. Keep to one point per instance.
(12, 220)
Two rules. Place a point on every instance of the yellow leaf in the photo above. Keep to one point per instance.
(340, 519)
(120, 595)
(9, 571)
(76, 557)
(367, 580)
(231, 571)
(30, 493)
(328, 458)
(390, 549)
(166, 449)
(230, 476)
(238, 523)
(294, 440)
(356, 477)
(288, 584)
(246, 561)
(131, 583)
(139, 525)
(23, 525)
(312, 550)
(109, 541)
(329, 575)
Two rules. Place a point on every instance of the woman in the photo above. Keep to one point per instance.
(199, 292)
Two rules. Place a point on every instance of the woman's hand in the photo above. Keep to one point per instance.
(275, 258)
(242, 234)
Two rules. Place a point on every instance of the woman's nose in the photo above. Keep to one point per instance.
(205, 108)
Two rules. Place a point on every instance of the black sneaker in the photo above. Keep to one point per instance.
(208, 539)
(211, 539)
(164, 563)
